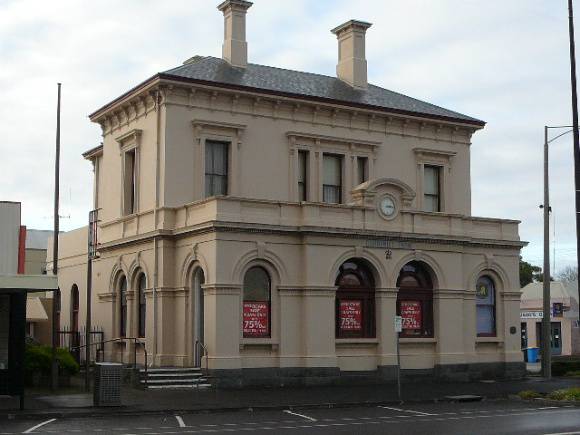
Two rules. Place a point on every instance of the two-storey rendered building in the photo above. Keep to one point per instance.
(270, 224)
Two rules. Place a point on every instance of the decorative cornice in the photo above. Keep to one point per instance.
(292, 135)
(134, 134)
(434, 152)
(343, 233)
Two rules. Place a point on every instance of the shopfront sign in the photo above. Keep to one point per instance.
(256, 319)
(532, 315)
(350, 315)
(411, 314)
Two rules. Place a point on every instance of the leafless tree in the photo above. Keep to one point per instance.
(568, 274)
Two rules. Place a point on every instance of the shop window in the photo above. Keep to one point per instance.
(485, 306)
(216, 168)
(303, 175)
(415, 300)
(142, 307)
(74, 306)
(123, 306)
(332, 179)
(432, 189)
(355, 301)
(257, 303)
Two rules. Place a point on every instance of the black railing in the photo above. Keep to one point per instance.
(136, 342)
(73, 341)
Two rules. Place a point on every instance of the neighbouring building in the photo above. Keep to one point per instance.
(269, 224)
(15, 286)
(38, 305)
(564, 320)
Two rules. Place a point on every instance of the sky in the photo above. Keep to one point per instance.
(503, 61)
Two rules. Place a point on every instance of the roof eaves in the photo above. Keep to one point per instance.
(478, 124)
(97, 113)
(93, 152)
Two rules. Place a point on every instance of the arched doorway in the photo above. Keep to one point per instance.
(415, 300)
(198, 308)
(355, 300)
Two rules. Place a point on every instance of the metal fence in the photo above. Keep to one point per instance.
(74, 341)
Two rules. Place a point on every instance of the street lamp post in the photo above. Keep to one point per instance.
(546, 335)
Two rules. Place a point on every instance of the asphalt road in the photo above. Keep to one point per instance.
(488, 417)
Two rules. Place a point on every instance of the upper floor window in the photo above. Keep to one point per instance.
(362, 166)
(432, 188)
(130, 182)
(485, 303)
(257, 303)
(216, 168)
(332, 179)
(303, 175)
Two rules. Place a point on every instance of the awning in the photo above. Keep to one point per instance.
(27, 283)
(35, 311)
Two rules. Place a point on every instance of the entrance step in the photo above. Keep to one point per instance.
(173, 378)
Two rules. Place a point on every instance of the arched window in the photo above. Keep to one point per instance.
(485, 306)
(355, 301)
(415, 300)
(123, 306)
(142, 314)
(257, 303)
(74, 308)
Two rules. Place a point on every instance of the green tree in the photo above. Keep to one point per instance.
(529, 273)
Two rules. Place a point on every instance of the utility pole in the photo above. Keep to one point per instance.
(575, 126)
(92, 248)
(546, 349)
(56, 295)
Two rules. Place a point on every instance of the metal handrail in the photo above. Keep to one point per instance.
(198, 344)
(135, 342)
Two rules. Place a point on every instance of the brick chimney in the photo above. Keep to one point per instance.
(235, 48)
(352, 63)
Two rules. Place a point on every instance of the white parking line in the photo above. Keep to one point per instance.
(564, 433)
(180, 421)
(406, 410)
(33, 428)
(287, 411)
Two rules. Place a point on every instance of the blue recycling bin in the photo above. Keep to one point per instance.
(533, 354)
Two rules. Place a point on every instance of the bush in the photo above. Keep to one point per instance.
(37, 359)
(529, 394)
(566, 394)
(573, 374)
(561, 367)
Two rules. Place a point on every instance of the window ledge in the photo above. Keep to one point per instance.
(255, 342)
(418, 340)
(356, 341)
(489, 340)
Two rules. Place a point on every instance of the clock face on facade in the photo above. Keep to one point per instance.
(387, 207)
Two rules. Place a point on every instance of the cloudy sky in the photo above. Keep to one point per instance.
(503, 61)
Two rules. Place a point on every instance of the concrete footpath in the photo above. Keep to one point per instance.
(136, 401)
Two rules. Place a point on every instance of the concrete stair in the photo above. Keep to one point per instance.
(173, 378)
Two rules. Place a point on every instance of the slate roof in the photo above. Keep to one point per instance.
(295, 83)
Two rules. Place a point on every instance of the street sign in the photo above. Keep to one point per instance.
(398, 324)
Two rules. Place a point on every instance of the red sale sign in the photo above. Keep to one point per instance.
(256, 319)
(411, 314)
(350, 315)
